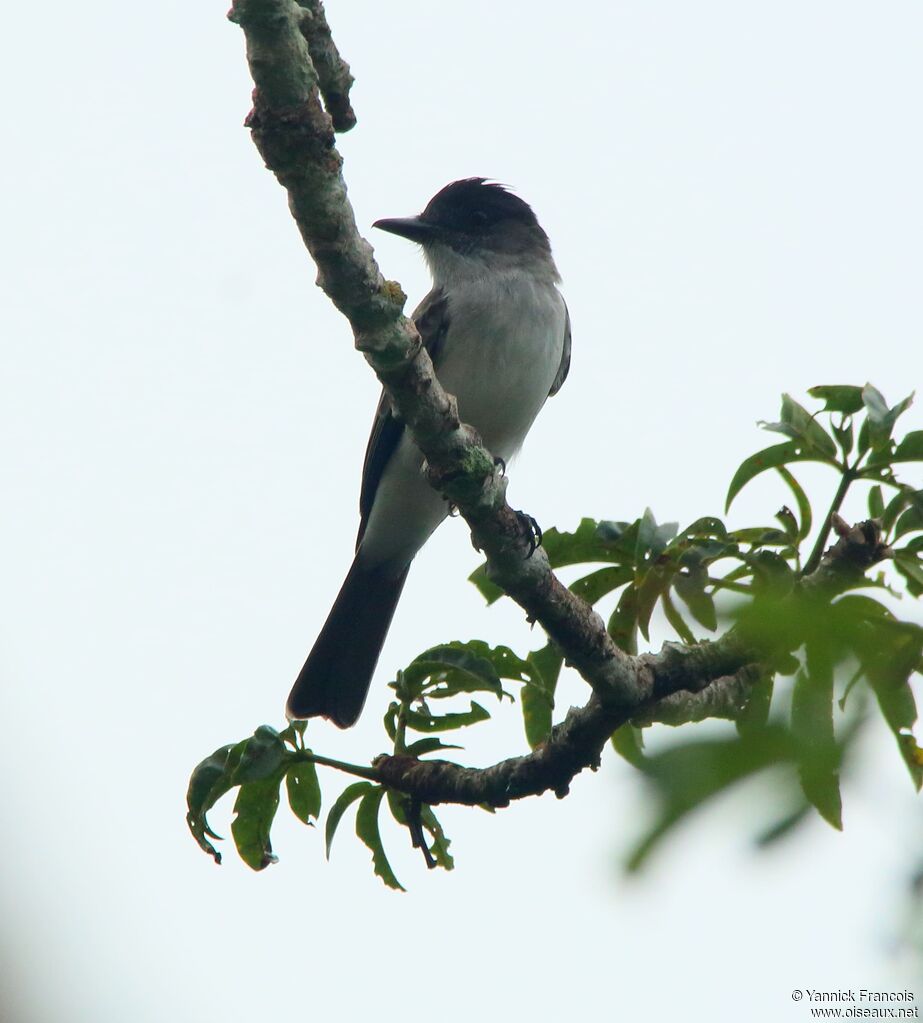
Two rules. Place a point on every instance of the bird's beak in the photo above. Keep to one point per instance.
(414, 228)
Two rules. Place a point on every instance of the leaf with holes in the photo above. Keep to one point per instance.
(209, 782)
(796, 422)
(769, 458)
(801, 498)
(255, 809)
(453, 668)
(303, 791)
(368, 831)
(422, 722)
(838, 397)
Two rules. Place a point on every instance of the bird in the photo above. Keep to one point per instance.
(497, 329)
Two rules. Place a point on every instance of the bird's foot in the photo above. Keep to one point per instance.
(532, 531)
(500, 464)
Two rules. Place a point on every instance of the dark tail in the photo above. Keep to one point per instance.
(335, 679)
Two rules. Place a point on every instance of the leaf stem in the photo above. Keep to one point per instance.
(814, 560)
(369, 773)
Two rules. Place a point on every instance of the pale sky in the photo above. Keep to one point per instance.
(733, 196)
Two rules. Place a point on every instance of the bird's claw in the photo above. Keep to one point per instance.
(532, 530)
(500, 464)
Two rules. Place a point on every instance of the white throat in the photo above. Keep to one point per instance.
(450, 268)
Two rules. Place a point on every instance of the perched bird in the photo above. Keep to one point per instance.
(498, 332)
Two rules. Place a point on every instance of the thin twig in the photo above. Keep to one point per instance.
(846, 480)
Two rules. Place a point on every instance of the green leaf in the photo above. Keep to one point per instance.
(293, 734)
(430, 744)
(772, 573)
(755, 715)
(546, 663)
(761, 536)
(843, 432)
(488, 589)
(623, 622)
(469, 667)
(209, 782)
(440, 846)
(770, 458)
(597, 584)
(876, 502)
(910, 567)
(303, 790)
(591, 541)
(910, 448)
(255, 807)
(652, 585)
(812, 724)
(676, 620)
(367, 830)
(537, 708)
(346, 798)
(890, 652)
(838, 397)
(804, 505)
(913, 757)
(862, 445)
(783, 827)
(800, 425)
(854, 608)
(262, 755)
(690, 585)
(911, 521)
(881, 419)
(789, 523)
(399, 805)
(875, 404)
(628, 742)
(390, 717)
(422, 722)
(538, 695)
(652, 538)
(691, 773)
(905, 497)
(454, 668)
(706, 526)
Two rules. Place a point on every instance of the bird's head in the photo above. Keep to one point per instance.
(474, 226)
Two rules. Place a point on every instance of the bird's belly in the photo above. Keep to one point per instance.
(501, 368)
(500, 360)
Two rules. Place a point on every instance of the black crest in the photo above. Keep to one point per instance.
(475, 206)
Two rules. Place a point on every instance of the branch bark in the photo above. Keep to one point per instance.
(294, 134)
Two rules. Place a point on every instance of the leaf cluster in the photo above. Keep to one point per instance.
(827, 659)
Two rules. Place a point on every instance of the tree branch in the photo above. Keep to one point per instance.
(333, 72)
(295, 136)
(679, 685)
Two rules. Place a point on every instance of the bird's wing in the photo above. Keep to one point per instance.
(431, 318)
(564, 368)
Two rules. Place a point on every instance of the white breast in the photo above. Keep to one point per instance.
(503, 351)
(500, 358)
